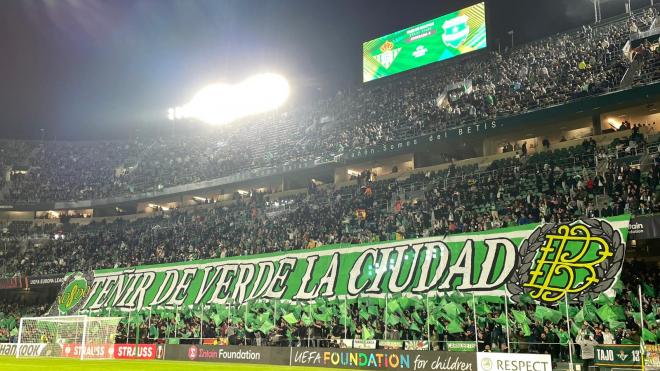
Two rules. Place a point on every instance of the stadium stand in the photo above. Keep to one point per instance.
(561, 68)
(550, 186)
(536, 334)
(594, 176)
(531, 330)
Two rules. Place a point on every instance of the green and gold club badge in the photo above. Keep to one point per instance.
(580, 259)
(73, 294)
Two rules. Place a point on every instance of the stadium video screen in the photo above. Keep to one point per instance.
(441, 38)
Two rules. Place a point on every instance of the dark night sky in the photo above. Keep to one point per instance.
(89, 69)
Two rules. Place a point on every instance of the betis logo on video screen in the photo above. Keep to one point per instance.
(580, 259)
(75, 289)
(388, 55)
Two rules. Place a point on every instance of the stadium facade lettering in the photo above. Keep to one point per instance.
(513, 259)
(407, 144)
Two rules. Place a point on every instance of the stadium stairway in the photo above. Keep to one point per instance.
(4, 190)
(27, 162)
(646, 162)
(631, 75)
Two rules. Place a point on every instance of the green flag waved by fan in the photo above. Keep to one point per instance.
(153, 332)
(648, 290)
(648, 336)
(393, 306)
(502, 320)
(364, 314)
(417, 318)
(606, 313)
(290, 318)
(483, 309)
(615, 325)
(603, 299)
(520, 317)
(454, 328)
(307, 320)
(553, 315)
(266, 327)
(367, 334)
(452, 310)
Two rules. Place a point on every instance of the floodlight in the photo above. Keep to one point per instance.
(223, 103)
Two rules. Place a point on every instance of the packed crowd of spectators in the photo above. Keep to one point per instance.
(565, 333)
(649, 56)
(540, 74)
(11, 312)
(550, 186)
(523, 326)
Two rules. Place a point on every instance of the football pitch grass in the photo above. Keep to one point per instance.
(57, 364)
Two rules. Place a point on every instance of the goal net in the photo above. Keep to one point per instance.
(67, 336)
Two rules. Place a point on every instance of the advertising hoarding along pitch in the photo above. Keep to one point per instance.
(26, 349)
(445, 37)
(618, 356)
(135, 351)
(360, 359)
(513, 362)
(228, 354)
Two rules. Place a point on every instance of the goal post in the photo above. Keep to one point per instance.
(80, 337)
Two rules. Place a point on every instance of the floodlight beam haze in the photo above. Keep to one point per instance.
(220, 103)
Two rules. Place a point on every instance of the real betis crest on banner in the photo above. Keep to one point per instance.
(617, 356)
(579, 259)
(74, 289)
(545, 262)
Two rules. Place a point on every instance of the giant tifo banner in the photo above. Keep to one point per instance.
(545, 262)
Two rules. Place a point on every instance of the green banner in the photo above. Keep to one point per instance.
(461, 346)
(544, 262)
(627, 356)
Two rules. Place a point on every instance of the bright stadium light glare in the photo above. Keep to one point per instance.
(218, 104)
(214, 104)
